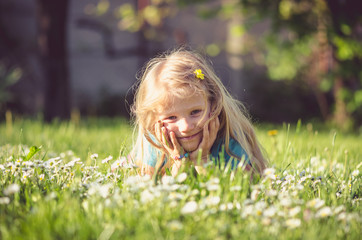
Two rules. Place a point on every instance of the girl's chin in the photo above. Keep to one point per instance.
(192, 144)
(189, 147)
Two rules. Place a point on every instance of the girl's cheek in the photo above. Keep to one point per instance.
(170, 127)
(203, 121)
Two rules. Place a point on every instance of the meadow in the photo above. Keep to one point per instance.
(56, 183)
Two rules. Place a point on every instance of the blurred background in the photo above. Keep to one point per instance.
(285, 59)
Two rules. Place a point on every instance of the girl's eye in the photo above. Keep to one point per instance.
(171, 118)
(195, 112)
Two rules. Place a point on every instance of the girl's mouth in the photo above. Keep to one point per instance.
(189, 137)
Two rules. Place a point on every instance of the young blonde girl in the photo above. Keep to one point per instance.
(184, 114)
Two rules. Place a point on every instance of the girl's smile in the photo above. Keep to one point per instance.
(186, 117)
(188, 137)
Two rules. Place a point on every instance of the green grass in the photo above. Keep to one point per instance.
(103, 136)
(311, 191)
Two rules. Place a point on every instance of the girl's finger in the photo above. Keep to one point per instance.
(211, 133)
(214, 128)
(215, 124)
(174, 141)
(205, 137)
(165, 138)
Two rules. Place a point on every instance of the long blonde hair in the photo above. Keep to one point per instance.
(172, 73)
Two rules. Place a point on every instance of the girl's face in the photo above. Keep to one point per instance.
(186, 118)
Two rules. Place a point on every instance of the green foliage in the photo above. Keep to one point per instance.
(285, 59)
(315, 25)
(8, 77)
(299, 32)
(32, 151)
(347, 48)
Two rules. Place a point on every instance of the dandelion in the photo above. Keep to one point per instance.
(175, 225)
(168, 180)
(51, 196)
(27, 164)
(214, 180)
(173, 204)
(195, 192)
(294, 211)
(314, 161)
(271, 193)
(199, 74)
(12, 189)
(293, 223)
(118, 163)
(106, 160)
(4, 200)
(342, 216)
(285, 202)
(224, 207)
(101, 190)
(339, 209)
(355, 173)
(254, 194)
(41, 177)
(212, 201)
(52, 162)
(94, 156)
(324, 212)
(174, 196)
(273, 132)
(229, 206)
(269, 173)
(146, 196)
(181, 177)
(235, 188)
(270, 212)
(213, 187)
(24, 177)
(189, 208)
(259, 208)
(315, 203)
(73, 162)
(258, 212)
(248, 210)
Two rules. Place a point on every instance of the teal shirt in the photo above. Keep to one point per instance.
(218, 150)
(151, 154)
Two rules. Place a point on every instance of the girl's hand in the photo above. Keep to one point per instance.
(209, 136)
(170, 143)
(168, 140)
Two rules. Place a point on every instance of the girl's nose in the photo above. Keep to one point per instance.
(184, 125)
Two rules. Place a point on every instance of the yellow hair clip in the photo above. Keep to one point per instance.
(199, 74)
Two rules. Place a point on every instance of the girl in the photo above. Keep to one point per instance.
(183, 113)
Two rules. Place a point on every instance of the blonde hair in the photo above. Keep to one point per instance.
(173, 74)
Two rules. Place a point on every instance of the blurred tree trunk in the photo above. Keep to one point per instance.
(340, 116)
(52, 41)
